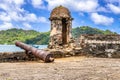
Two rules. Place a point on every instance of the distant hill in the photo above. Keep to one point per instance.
(33, 37)
(42, 38)
(89, 30)
(11, 35)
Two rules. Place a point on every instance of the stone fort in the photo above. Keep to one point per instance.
(61, 25)
(61, 36)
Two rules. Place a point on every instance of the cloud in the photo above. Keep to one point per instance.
(16, 13)
(31, 17)
(4, 17)
(27, 25)
(9, 10)
(102, 9)
(43, 19)
(8, 5)
(5, 26)
(113, 1)
(18, 2)
(114, 9)
(12, 11)
(38, 4)
(76, 5)
(101, 19)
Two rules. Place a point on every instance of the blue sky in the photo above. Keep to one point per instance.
(34, 14)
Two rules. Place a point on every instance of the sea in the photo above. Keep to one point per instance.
(13, 48)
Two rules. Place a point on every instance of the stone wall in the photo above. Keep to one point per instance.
(101, 45)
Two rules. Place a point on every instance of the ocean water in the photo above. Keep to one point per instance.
(13, 48)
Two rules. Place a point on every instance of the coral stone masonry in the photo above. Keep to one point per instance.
(61, 25)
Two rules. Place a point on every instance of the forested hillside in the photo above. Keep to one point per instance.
(11, 35)
(33, 37)
(89, 30)
(42, 38)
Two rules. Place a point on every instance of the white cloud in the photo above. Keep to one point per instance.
(102, 9)
(114, 9)
(7, 8)
(5, 26)
(4, 6)
(101, 19)
(87, 6)
(27, 25)
(18, 2)
(12, 11)
(8, 5)
(31, 17)
(11, 7)
(42, 19)
(4, 17)
(113, 1)
(38, 4)
(77, 5)
(27, 17)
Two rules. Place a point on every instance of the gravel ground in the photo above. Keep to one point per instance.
(73, 68)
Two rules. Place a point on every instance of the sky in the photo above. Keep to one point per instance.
(34, 14)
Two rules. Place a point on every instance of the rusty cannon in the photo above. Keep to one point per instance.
(41, 54)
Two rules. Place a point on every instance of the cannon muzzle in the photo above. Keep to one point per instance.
(41, 54)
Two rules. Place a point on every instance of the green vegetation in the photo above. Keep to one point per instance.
(11, 35)
(33, 37)
(89, 30)
(42, 38)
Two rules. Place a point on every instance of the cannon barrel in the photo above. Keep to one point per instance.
(44, 55)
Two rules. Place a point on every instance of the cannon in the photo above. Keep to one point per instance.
(41, 54)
